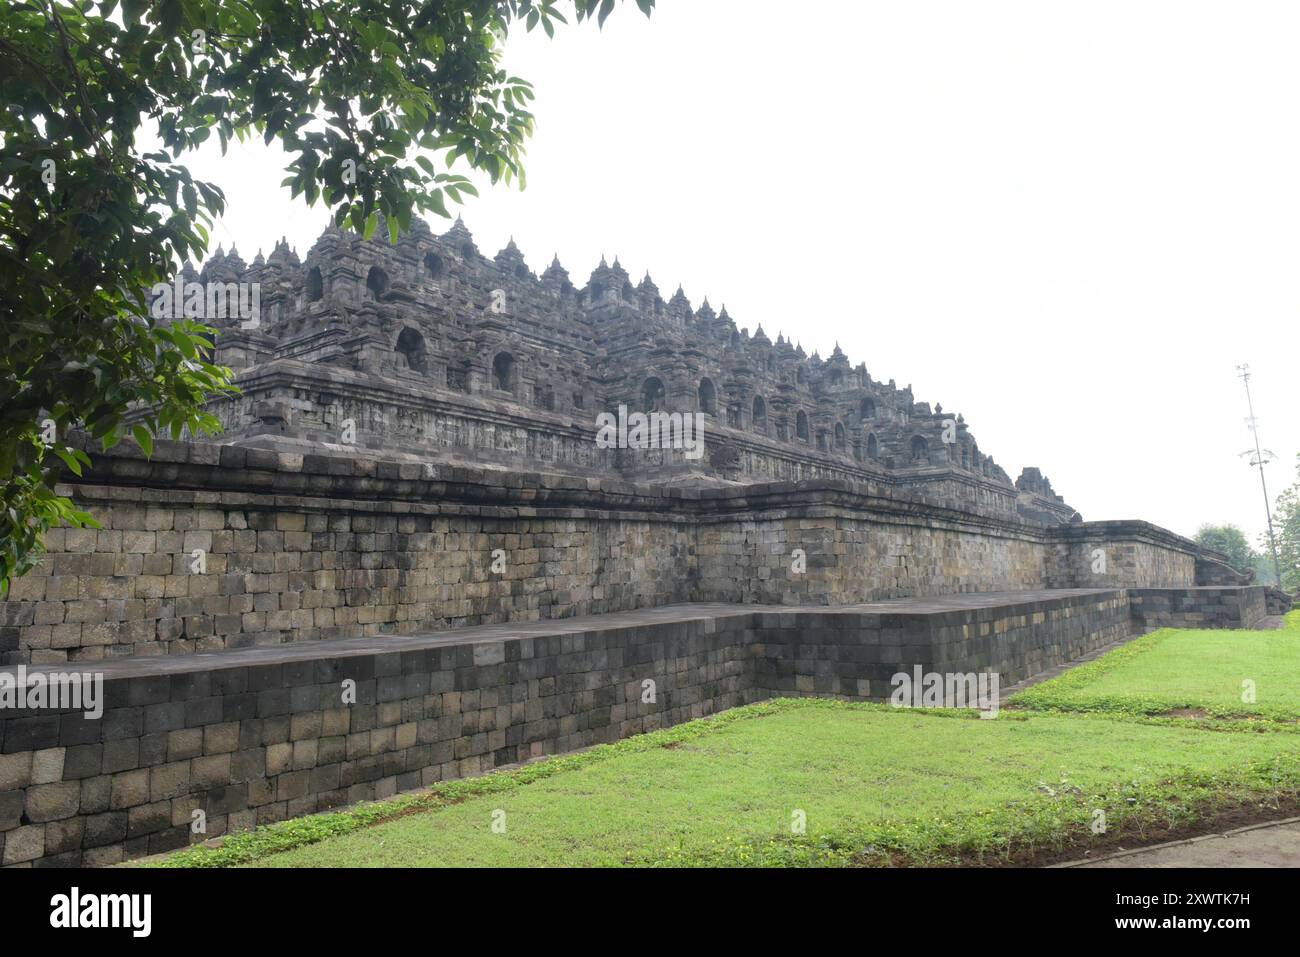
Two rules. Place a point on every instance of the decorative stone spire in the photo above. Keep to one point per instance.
(555, 273)
(256, 269)
(279, 255)
(679, 307)
(511, 261)
(602, 284)
(460, 239)
(647, 296)
(602, 273)
(234, 263)
(222, 268)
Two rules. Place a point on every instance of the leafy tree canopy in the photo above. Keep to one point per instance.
(1286, 527)
(1264, 568)
(377, 102)
(1230, 540)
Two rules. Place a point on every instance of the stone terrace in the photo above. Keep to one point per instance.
(255, 735)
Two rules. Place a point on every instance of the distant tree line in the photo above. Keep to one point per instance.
(1232, 541)
(1286, 527)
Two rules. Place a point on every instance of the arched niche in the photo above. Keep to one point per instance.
(707, 397)
(411, 350)
(378, 283)
(503, 372)
(433, 265)
(653, 396)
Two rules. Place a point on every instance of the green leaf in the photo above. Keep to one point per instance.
(144, 438)
(126, 210)
(69, 459)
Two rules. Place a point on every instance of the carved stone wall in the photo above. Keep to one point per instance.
(434, 350)
(207, 547)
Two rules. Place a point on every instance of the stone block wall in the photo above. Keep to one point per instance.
(289, 567)
(255, 740)
(1212, 568)
(299, 572)
(1200, 607)
(854, 654)
(1277, 601)
(1136, 554)
(311, 401)
(849, 558)
(310, 547)
(253, 736)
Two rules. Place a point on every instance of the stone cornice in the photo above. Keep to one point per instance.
(1122, 529)
(233, 475)
(363, 387)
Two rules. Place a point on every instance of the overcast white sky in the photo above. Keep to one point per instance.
(1068, 221)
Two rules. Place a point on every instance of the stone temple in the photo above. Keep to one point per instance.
(408, 557)
(442, 354)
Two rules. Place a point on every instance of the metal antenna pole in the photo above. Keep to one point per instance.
(1243, 373)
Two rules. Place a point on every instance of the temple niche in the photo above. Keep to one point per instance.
(486, 361)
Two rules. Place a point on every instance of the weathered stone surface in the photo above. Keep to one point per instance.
(52, 802)
(430, 347)
(429, 554)
(1232, 606)
(15, 769)
(469, 390)
(441, 705)
(412, 500)
(23, 844)
(47, 765)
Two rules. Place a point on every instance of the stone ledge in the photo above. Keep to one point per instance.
(253, 736)
(351, 473)
(1128, 529)
(977, 606)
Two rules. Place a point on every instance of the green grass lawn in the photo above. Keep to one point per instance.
(876, 785)
(1212, 671)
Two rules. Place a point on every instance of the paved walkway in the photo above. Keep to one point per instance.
(1259, 845)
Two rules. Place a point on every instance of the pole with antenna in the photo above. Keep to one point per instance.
(1260, 458)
